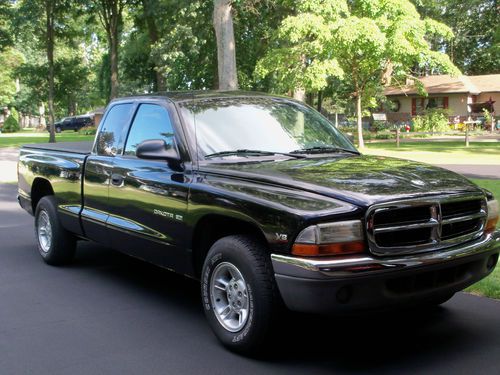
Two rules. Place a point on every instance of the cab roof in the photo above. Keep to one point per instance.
(182, 96)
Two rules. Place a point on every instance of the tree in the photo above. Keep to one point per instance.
(50, 19)
(475, 49)
(226, 48)
(298, 60)
(110, 15)
(381, 39)
(10, 59)
(185, 54)
(367, 42)
(149, 12)
(5, 16)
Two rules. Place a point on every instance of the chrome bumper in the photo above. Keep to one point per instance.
(366, 265)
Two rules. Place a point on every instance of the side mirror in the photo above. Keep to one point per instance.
(156, 149)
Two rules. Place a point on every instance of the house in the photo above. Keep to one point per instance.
(464, 96)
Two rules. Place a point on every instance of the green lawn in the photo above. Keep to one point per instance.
(489, 287)
(439, 152)
(28, 136)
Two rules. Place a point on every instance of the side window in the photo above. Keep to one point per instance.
(110, 137)
(151, 122)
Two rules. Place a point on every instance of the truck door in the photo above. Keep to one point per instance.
(147, 199)
(98, 169)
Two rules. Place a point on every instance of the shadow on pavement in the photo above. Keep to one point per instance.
(377, 341)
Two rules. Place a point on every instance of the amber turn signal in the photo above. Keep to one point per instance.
(491, 225)
(310, 250)
(492, 219)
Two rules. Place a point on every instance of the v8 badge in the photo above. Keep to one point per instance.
(281, 237)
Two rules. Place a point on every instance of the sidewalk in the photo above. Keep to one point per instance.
(8, 164)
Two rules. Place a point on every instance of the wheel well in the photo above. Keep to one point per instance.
(39, 189)
(214, 227)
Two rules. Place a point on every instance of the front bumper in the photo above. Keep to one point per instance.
(364, 282)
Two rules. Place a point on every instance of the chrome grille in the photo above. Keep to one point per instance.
(418, 225)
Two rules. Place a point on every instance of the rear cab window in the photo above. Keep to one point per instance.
(111, 135)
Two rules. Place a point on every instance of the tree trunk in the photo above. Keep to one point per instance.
(110, 13)
(320, 100)
(359, 116)
(226, 50)
(113, 58)
(49, 9)
(159, 84)
(299, 94)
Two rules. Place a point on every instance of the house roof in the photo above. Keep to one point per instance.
(445, 84)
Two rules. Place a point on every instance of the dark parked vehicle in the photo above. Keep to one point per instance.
(72, 123)
(266, 202)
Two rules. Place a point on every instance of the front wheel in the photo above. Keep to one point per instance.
(239, 293)
(58, 129)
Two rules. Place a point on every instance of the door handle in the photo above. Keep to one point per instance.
(117, 179)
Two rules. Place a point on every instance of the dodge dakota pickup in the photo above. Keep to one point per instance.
(266, 203)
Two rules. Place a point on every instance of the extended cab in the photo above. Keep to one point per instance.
(264, 201)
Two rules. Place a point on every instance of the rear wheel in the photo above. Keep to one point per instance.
(239, 293)
(55, 244)
(58, 129)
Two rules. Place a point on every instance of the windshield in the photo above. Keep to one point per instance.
(259, 123)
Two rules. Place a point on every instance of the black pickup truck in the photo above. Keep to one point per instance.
(265, 202)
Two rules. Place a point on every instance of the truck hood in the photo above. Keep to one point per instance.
(362, 180)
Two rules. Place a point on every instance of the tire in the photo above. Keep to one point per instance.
(55, 244)
(58, 129)
(243, 266)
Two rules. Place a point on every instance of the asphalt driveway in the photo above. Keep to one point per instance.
(110, 314)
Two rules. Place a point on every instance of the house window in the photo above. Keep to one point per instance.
(437, 102)
(419, 105)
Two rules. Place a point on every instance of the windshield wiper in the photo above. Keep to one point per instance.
(323, 150)
(253, 153)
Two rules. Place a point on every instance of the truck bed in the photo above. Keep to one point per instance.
(83, 148)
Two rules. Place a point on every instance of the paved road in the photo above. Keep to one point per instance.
(110, 314)
(8, 164)
(475, 171)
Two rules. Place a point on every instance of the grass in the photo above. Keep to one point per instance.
(490, 286)
(29, 136)
(439, 152)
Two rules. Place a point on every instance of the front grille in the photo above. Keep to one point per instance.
(413, 226)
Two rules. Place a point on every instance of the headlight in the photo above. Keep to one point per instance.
(343, 237)
(492, 218)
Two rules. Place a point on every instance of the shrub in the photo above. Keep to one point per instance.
(385, 134)
(380, 126)
(88, 130)
(11, 125)
(434, 120)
